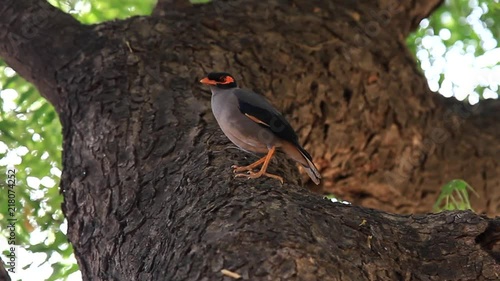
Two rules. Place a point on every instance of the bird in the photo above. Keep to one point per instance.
(254, 125)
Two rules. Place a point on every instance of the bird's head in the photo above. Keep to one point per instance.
(220, 80)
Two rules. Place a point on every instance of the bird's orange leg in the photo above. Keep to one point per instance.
(238, 169)
(262, 172)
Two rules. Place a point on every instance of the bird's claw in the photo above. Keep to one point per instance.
(237, 169)
(248, 174)
(253, 175)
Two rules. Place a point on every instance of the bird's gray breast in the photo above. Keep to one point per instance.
(242, 131)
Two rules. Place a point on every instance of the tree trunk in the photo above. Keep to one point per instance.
(148, 189)
(4, 275)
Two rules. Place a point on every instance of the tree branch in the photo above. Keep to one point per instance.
(410, 12)
(36, 39)
(4, 276)
(324, 241)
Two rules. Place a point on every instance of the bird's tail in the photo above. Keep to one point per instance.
(299, 154)
(311, 170)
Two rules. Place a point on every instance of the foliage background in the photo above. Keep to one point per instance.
(461, 31)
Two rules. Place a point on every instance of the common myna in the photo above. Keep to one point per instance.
(254, 125)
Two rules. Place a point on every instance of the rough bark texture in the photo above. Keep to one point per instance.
(147, 184)
(4, 276)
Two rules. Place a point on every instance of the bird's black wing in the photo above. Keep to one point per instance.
(259, 110)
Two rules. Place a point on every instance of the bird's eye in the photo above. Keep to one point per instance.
(222, 79)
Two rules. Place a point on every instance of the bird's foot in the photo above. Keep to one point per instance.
(239, 169)
(249, 168)
(253, 175)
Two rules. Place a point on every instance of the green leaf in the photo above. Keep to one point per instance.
(454, 196)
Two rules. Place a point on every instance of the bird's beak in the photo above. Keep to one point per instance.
(208, 81)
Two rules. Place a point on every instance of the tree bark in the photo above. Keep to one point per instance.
(4, 276)
(38, 40)
(148, 189)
